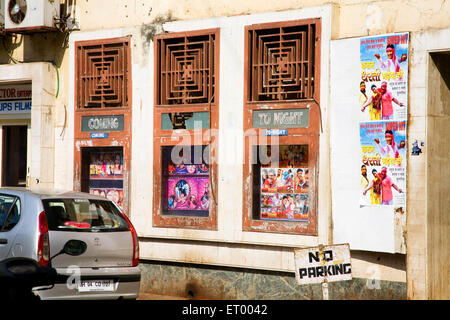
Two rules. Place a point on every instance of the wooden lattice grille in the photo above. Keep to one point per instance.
(281, 62)
(102, 79)
(186, 70)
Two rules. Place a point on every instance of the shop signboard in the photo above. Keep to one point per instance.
(15, 99)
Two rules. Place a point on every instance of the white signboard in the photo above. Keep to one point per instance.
(15, 99)
(323, 264)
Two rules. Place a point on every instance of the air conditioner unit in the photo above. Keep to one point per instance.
(23, 16)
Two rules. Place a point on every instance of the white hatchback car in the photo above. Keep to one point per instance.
(37, 225)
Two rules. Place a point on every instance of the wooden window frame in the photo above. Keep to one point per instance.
(186, 137)
(115, 138)
(296, 136)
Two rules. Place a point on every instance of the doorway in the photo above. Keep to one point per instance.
(14, 156)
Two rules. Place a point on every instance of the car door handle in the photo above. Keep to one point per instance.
(3, 241)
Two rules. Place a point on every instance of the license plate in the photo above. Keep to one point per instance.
(96, 285)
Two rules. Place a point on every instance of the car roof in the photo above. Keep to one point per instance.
(51, 194)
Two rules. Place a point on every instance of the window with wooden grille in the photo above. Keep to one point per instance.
(185, 113)
(102, 119)
(102, 74)
(186, 72)
(281, 127)
(281, 61)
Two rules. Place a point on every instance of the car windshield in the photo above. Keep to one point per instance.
(86, 215)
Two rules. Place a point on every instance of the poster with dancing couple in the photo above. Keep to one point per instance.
(284, 193)
(384, 77)
(383, 163)
(188, 193)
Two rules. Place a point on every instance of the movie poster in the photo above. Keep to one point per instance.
(188, 193)
(188, 169)
(106, 175)
(384, 77)
(106, 165)
(284, 193)
(115, 195)
(383, 163)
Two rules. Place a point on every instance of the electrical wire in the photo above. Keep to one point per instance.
(9, 55)
(57, 78)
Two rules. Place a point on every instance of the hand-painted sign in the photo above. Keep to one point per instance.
(102, 123)
(15, 98)
(292, 118)
(324, 263)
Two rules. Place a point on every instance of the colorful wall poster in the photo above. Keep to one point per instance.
(384, 77)
(383, 163)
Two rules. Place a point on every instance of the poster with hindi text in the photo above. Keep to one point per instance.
(383, 163)
(384, 77)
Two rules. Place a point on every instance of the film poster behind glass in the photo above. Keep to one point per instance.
(188, 187)
(285, 185)
(106, 175)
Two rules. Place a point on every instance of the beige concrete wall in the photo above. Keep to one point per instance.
(41, 148)
(358, 17)
(427, 209)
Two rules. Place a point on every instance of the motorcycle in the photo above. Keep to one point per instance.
(19, 276)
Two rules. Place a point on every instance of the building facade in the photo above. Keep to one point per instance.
(232, 133)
